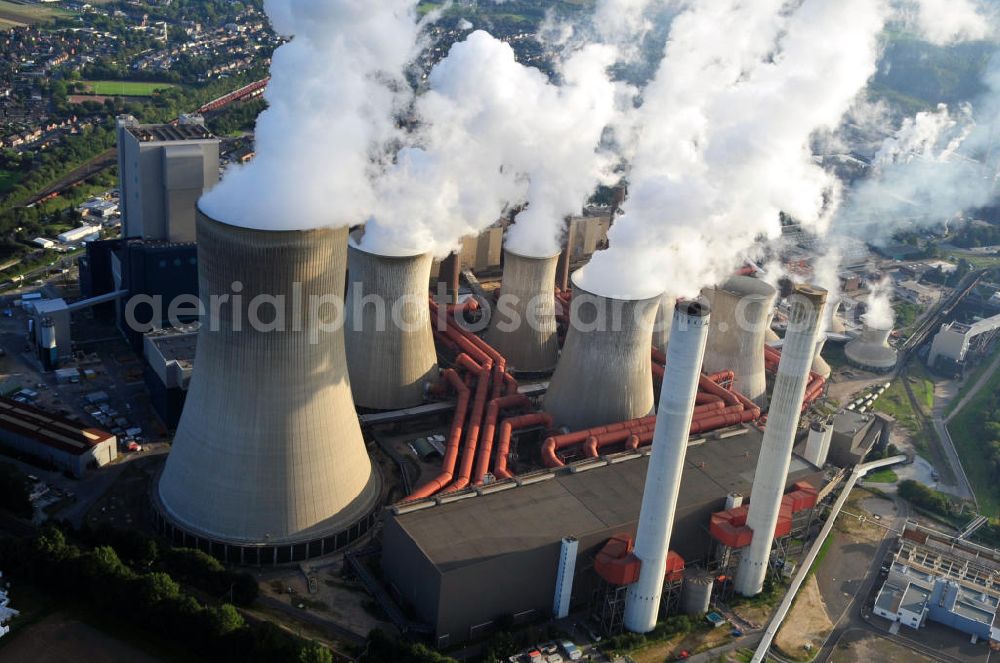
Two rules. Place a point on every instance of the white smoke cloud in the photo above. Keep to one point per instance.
(724, 135)
(334, 90)
(496, 132)
(933, 168)
(944, 22)
(880, 314)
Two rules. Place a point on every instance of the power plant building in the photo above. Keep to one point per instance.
(468, 563)
(269, 465)
(162, 171)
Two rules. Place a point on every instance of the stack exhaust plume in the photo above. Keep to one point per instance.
(604, 374)
(871, 350)
(689, 332)
(741, 309)
(390, 345)
(268, 464)
(523, 328)
(807, 304)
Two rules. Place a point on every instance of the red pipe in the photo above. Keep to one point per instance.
(475, 420)
(702, 398)
(470, 304)
(508, 426)
(489, 431)
(454, 438)
(722, 376)
(712, 388)
(659, 356)
(557, 442)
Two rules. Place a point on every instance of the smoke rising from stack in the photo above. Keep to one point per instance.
(934, 167)
(880, 314)
(334, 91)
(744, 85)
(944, 22)
(494, 132)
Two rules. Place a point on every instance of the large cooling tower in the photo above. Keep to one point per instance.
(871, 350)
(523, 326)
(604, 374)
(268, 464)
(661, 327)
(819, 364)
(740, 312)
(779, 436)
(387, 329)
(666, 463)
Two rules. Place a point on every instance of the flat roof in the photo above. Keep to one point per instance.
(568, 503)
(175, 345)
(151, 133)
(914, 598)
(49, 429)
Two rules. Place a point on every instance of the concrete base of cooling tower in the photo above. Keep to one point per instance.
(323, 538)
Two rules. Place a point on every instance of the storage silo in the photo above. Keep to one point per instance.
(268, 464)
(871, 350)
(741, 308)
(782, 424)
(387, 328)
(523, 324)
(696, 597)
(604, 373)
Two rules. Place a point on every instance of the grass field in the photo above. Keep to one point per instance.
(8, 180)
(125, 88)
(884, 475)
(967, 433)
(896, 404)
(971, 378)
(14, 13)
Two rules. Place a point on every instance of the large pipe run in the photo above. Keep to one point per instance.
(686, 349)
(779, 436)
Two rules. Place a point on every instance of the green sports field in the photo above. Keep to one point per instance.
(125, 88)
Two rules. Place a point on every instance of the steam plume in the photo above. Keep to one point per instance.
(724, 138)
(333, 93)
(880, 314)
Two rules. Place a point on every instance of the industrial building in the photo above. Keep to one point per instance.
(467, 562)
(268, 465)
(169, 355)
(945, 580)
(50, 438)
(162, 171)
(954, 341)
(849, 438)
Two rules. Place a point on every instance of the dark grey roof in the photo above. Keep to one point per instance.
(577, 504)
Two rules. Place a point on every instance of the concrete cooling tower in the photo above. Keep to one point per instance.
(523, 326)
(819, 365)
(740, 312)
(604, 374)
(661, 327)
(779, 436)
(387, 329)
(871, 350)
(268, 464)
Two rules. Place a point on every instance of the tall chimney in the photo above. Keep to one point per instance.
(523, 326)
(268, 464)
(390, 346)
(769, 479)
(604, 374)
(740, 312)
(689, 332)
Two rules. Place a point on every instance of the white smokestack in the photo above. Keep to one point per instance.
(782, 422)
(689, 332)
